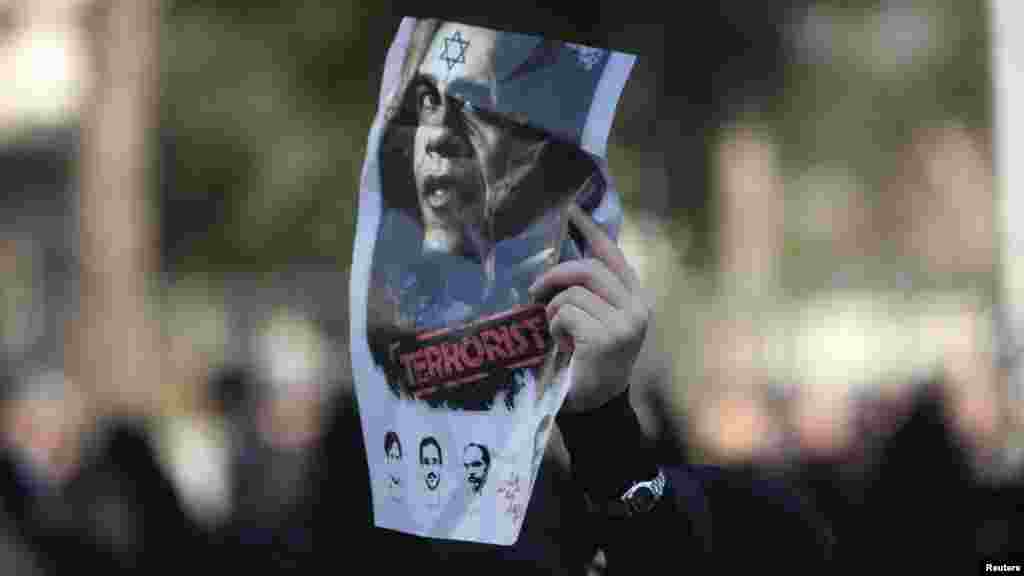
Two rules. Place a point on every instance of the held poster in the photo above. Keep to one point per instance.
(481, 140)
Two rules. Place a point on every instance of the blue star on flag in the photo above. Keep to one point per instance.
(459, 58)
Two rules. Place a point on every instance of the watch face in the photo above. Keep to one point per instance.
(642, 500)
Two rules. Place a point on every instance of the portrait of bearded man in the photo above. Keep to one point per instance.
(479, 157)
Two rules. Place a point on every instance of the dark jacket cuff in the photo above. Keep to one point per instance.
(608, 448)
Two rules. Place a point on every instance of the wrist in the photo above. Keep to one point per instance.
(608, 449)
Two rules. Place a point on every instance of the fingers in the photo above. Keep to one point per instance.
(573, 324)
(602, 246)
(590, 274)
(585, 300)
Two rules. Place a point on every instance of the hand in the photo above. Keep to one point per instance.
(600, 311)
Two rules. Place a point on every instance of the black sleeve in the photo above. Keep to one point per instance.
(706, 512)
(345, 482)
(608, 448)
(610, 452)
(754, 509)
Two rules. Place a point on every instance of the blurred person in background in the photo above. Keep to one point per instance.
(84, 493)
(838, 479)
(16, 556)
(43, 477)
(924, 469)
(905, 484)
(277, 460)
(203, 451)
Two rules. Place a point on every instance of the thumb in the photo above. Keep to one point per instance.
(570, 326)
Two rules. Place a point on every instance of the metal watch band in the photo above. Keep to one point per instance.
(641, 497)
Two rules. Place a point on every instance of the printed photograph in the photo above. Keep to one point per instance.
(479, 157)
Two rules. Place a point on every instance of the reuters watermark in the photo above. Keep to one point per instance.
(994, 568)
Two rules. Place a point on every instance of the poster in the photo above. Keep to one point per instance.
(481, 140)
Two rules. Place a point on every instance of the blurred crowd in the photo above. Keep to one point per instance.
(83, 491)
(812, 204)
(267, 479)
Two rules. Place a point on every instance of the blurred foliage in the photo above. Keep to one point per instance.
(873, 72)
(863, 79)
(265, 111)
(265, 108)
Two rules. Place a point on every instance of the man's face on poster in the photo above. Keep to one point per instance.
(460, 150)
(394, 462)
(477, 465)
(430, 462)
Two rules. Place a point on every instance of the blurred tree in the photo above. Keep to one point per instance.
(264, 111)
(862, 83)
(266, 108)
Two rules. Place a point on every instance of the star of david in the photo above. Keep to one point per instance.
(459, 58)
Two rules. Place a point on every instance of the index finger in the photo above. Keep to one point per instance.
(602, 246)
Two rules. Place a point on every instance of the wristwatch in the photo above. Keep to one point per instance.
(640, 498)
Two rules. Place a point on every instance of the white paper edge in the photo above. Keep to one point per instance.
(606, 100)
(369, 212)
